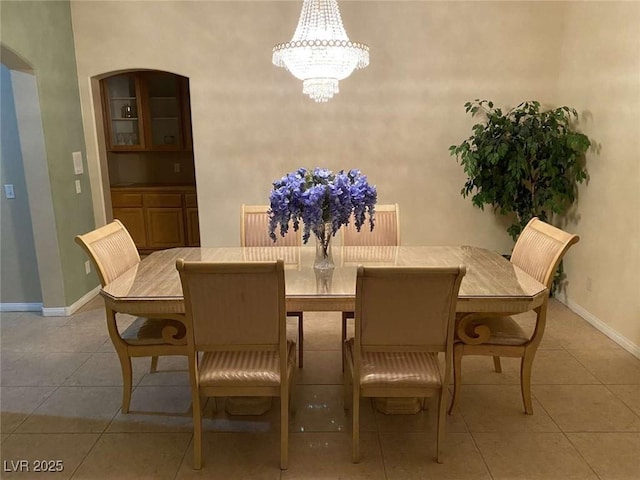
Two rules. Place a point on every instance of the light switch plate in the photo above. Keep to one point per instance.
(78, 187)
(77, 163)
(9, 192)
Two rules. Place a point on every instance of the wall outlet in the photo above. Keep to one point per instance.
(588, 284)
(78, 187)
(176, 168)
(9, 192)
(87, 267)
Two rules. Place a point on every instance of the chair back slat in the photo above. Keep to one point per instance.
(254, 229)
(111, 250)
(539, 249)
(234, 304)
(408, 307)
(386, 230)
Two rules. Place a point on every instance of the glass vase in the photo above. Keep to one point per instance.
(324, 258)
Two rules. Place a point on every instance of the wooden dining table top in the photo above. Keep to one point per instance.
(492, 283)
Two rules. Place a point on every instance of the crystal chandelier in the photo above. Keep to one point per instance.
(320, 52)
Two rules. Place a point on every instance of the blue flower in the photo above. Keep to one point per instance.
(320, 197)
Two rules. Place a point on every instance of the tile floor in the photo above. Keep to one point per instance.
(61, 393)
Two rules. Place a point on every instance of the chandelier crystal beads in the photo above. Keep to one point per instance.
(320, 52)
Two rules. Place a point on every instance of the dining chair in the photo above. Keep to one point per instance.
(254, 232)
(538, 252)
(113, 252)
(404, 318)
(236, 337)
(385, 234)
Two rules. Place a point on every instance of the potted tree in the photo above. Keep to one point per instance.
(524, 161)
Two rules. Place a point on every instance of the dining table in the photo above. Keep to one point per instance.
(492, 284)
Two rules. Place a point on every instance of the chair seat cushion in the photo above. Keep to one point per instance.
(397, 369)
(505, 331)
(243, 368)
(148, 331)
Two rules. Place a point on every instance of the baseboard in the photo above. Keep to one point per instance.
(20, 307)
(614, 335)
(71, 309)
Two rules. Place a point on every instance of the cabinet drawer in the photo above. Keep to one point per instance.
(126, 199)
(163, 200)
(190, 200)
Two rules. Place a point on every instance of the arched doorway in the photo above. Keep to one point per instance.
(148, 157)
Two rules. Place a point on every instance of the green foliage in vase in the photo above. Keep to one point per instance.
(523, 161)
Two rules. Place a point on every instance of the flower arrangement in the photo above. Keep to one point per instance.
(323, 200)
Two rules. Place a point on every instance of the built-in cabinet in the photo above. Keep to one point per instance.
(146, 111)
(158, 217)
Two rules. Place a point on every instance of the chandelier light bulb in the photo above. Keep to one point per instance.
(320, 52)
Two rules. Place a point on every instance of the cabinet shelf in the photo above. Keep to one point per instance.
(159, 99)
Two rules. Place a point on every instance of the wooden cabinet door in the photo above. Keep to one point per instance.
(134, 221)
(193, 227)
(165, 227)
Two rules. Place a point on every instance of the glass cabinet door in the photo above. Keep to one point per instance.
(165, 124)
(124, 107)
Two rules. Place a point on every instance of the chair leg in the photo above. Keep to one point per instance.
(345, 316)
(356, 423)
(127, 384)
(457, 375)
(197, 433)
(284, 432)
(154, 365)
(441, 422)
(525, 381)
(300, 339)
(496, 364)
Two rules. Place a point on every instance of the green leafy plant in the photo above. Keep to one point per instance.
(523, 161)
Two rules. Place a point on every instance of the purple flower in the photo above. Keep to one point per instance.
(319, 197)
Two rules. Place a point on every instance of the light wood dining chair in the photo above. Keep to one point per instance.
(385, 234)
(113, 252)
(404, 317)
(538, 252)
(254, 232)
(236, 337)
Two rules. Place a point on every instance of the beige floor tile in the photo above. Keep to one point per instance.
(3, 437)
(18, 403)
(84, 338)
(321, 368)
(104, 370)
(156, 409)
(40, 369)
(75, 409)
(172, 370)
(499, 408)
(413, 456)
(558, 367)
(215, 419)
(479, 370)
(611, 366)
(328, 456)
(423, 421)
(569, 330)
(611, 455)
(322, 331)
(320, 408)
(225, 456)
(134, 456)
(68, 449)
(629, 394)
(548, 456)
(586, 408)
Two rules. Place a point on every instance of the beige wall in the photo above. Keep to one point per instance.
(394, 120)
(600, 75)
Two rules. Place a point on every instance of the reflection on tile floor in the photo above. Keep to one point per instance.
(61, 394)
